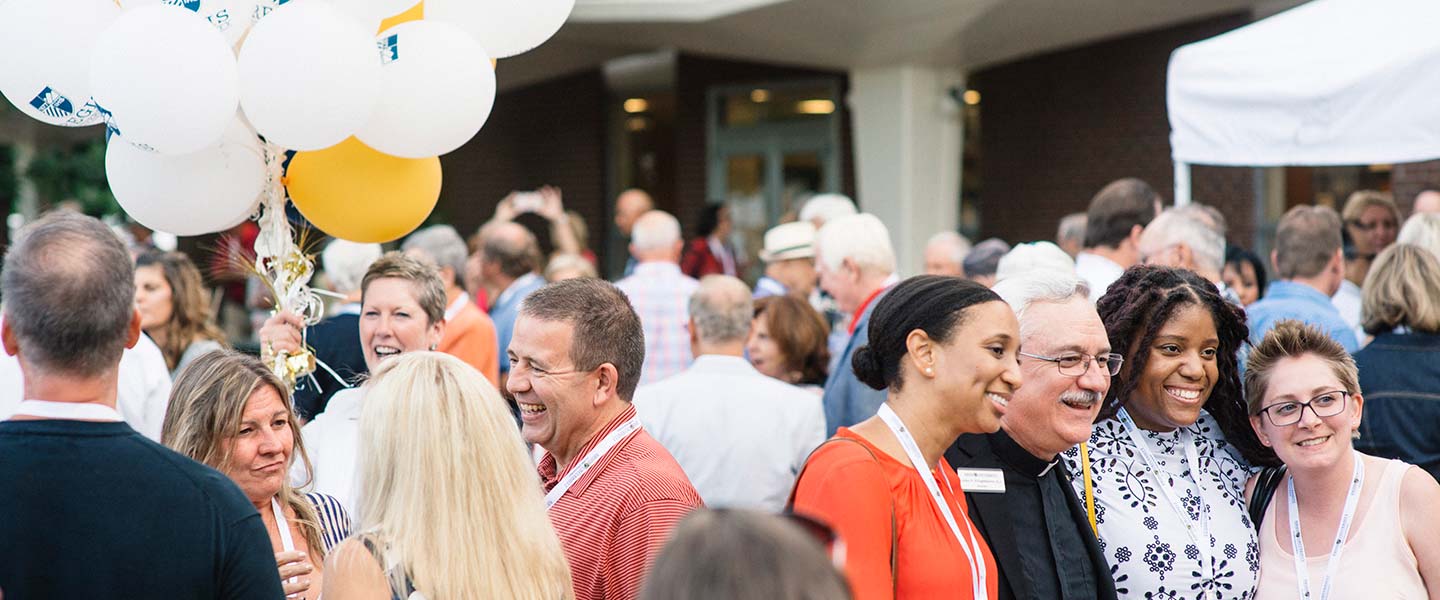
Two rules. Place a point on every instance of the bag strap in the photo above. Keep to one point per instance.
(894, 529)
(1265, 485)
(1089, 489)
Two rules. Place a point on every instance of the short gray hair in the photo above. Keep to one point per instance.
(827, 207)
(1032, 257)
(655, 230)
(862, 238)
(69, 289)
(1175, 227)
(346, 262)
(959, 245)
(1022, 291)
(721, 309)
(1072, 227)
(443, 245)
(1423, 230)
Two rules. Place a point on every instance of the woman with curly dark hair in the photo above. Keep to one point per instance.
(1163, 475)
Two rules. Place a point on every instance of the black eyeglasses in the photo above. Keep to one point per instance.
(1285, 414)
(1075, 364)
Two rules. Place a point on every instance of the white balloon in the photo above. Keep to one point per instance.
(164, 80)
(230, 17)
(189, 194)
(308, 75)
(47, 72)
(503, 27)
(362, 11)
(429, 66)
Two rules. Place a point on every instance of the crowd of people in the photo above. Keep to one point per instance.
(1112, 414)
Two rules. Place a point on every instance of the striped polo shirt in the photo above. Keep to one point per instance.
(614, 520)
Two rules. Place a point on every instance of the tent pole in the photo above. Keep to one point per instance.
(1182, 183)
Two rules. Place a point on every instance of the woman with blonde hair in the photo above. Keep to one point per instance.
(1400, 369)
(231, 413)
(174, 309)
(448, 502)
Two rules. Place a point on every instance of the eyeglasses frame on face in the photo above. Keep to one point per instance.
(1085, 361)
(1300, 414)
(1368, 227)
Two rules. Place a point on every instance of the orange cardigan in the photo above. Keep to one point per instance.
(470, 337)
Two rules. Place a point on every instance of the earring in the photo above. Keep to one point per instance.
(929, 371)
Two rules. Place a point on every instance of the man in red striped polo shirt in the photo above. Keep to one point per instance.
(613, 492)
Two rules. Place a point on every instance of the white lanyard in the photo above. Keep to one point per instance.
(917, 460)
(1201, 537)
(287, 543)
(71, 411)
(589, 460)
(1302, 573)
(456, 306)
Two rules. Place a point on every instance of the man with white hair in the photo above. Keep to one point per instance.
(1032, 258)
(1178, 239)
(1027, 511)
(945, 254)
(823, 208)
(856, 264)
(469, 333)
(789, 256)
(660, 294)
(1070, 234)
(740, 436)
(336, 339)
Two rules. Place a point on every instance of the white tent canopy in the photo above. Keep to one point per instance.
(1331, 82)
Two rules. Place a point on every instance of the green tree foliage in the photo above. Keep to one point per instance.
(74, 173)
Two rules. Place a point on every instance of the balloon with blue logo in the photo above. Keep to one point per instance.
(189, 194)
(230, 17)
(46, 72)
(308, 75)
(503, 27)
(422, 61)
(164, 79)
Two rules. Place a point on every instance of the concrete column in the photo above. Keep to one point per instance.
(907, 127)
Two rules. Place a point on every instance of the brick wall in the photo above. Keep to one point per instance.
(548, 133)
(1409, 178)
(1055, 128)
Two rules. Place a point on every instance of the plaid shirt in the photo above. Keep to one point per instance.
(661, 294)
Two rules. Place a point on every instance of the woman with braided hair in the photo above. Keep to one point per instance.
(1164, 472)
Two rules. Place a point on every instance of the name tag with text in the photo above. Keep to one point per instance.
(989, 481)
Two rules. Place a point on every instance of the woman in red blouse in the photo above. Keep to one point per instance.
(945, 348)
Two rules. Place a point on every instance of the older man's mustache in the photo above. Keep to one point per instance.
(1083, 399)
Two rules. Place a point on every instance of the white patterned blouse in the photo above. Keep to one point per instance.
(1169, 532)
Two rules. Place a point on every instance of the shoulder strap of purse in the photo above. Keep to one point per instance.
(894, 530)
(1265, 485)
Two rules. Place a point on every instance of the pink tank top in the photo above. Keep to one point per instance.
(1377, 563)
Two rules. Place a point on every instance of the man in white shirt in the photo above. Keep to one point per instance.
(1117, 216)
(1178, 239)
(143, 387)
(740, 436)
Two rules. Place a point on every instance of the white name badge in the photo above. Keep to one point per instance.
(986, 481)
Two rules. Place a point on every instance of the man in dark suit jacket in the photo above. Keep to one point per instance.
(1020, 496)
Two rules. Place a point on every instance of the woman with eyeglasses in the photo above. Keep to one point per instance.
(1164, 471)
(1342, 524)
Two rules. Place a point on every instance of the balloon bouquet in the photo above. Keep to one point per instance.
(217, 110)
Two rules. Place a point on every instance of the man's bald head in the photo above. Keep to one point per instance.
(69, 289)
(629, 205)
(1427, 201)
(512, 248)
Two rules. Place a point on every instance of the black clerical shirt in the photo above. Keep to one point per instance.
(1037, 528)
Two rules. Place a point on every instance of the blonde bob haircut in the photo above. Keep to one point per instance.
(446, 490)
(206, 407)
(1402, 289)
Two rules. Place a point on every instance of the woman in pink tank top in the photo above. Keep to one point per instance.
(1341, 524)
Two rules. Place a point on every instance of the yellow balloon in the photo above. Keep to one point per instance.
(359, 194)
(414, 13)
